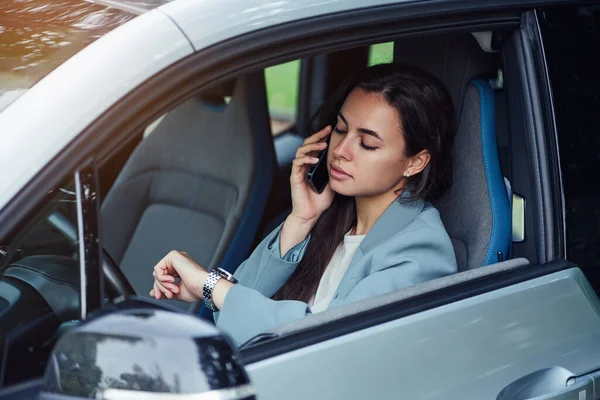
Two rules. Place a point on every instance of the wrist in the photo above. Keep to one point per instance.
(299, 224)
(292, 232)
(220, 292)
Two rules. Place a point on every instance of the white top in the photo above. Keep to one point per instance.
(335, 272)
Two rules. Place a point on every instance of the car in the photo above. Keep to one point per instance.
(165, 131)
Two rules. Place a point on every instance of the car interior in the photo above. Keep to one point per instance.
(211, 177)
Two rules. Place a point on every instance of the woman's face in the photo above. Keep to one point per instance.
(366, 148)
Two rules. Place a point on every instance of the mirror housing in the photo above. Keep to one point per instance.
(146, 354)
(555, 383)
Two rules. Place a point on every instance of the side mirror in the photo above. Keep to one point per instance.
(143, 353)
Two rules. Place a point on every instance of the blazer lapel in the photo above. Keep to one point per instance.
(397, 217)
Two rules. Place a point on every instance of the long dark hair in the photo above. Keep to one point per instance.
(428, 120)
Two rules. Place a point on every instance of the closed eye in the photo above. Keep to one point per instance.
(362, 144)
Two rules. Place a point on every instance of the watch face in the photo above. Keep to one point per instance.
(227, 275)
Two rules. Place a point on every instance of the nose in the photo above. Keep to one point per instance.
(342, 150)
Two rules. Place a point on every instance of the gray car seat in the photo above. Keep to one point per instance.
(198, 183)
(476, 210)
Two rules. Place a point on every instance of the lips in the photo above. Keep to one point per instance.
(339, 173)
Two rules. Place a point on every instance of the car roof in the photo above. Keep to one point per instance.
(39, 35)
(206, 22)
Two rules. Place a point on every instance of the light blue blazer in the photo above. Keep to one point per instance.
(406, 246)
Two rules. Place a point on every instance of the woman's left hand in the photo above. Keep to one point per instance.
(191, 276)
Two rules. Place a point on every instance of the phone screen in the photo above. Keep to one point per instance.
(318, 175)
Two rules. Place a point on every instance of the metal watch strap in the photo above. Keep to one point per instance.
(207, 289)
(211, 281)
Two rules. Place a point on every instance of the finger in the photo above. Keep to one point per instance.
(169, 286)
(163, 291)
(166, 278)
(310, 148)
(164, 288)
(163, 278)
(322, 134)
(166, 264)
(157, 294)
(162, 274)
(305, 160)
(160, 269)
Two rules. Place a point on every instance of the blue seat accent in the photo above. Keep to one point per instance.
(263, 177)
(215, 107)
(501, 213)
(286, 145)
(262, 182)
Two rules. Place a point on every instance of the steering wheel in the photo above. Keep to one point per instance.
(116, 283)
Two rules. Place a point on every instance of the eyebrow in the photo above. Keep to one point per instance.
(361, 130)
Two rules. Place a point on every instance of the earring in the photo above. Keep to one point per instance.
(407, 174)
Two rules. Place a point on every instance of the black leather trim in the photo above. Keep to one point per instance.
(55, 278)
(115, 282)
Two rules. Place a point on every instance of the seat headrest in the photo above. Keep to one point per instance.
(215, 95)
(455, 59)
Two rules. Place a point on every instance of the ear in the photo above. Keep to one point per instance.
(417, 163)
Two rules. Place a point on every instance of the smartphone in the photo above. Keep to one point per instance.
(318, 176)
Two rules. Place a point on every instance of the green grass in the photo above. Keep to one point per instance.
(282, 89)
(381, 53)
(282, 81)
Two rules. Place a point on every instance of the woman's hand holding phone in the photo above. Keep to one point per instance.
(307, 204)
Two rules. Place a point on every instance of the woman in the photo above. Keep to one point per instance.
(371, 231)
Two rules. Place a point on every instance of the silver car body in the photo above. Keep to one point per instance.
(469, 349)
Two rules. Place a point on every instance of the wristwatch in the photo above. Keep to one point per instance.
(211, 281)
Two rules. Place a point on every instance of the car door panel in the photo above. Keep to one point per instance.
(472, 348)
(23, 391)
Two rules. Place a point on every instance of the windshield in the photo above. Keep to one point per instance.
(36, 36)
(54, 231)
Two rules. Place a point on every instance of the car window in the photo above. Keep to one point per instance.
(52, 232)
(381, 53)
(570, 35)
(282, 83)
(39, 285)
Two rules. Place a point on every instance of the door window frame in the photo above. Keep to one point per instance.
(90, 250)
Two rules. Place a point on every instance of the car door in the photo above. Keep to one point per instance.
(521, 332)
